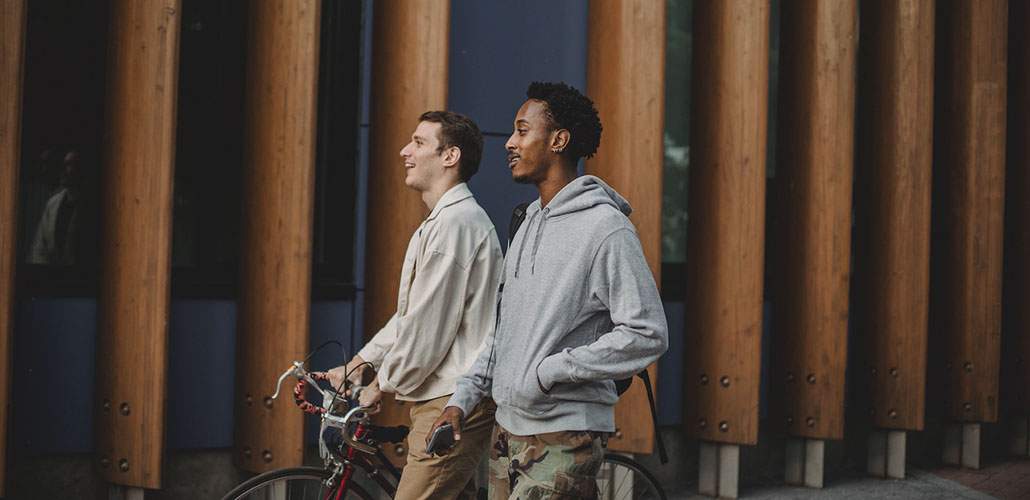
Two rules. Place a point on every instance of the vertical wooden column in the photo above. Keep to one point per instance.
(12, 57)
(727, 225)
(132, 346)
(409, 77)
(278, 194)
(626, 79)
(973, 41)
(892, 257)
(816, 142)
(1017, 220)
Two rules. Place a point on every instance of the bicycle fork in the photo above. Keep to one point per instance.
(348, 468)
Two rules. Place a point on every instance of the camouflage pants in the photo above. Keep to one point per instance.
(556, 465)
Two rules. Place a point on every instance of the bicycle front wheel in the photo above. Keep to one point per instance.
(297, 483)
(623, 479)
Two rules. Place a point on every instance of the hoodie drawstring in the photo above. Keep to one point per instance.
(536, 242)
(518, 262)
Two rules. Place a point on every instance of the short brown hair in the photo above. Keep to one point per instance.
(458, 130)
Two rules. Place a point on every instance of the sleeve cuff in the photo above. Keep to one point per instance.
(463, 402)
(384, 383)
(552, 371)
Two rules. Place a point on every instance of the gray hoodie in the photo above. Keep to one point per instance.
(578, 309)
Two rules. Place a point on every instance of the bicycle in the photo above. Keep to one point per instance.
(348, 444)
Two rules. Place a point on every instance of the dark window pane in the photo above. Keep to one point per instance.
(337, 149)
(679, 47)
(209, 148)
(62, 127)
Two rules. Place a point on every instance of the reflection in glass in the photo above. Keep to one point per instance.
(56, 236)
(677, 131)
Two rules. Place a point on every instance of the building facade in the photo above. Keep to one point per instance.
(831, 194)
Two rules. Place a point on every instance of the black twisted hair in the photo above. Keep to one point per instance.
(567, 108)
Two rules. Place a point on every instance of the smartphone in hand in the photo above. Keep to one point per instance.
(441, 440)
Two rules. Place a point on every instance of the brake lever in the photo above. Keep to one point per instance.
(297, 369)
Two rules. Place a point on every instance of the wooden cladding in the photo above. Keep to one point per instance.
(12, 58)
(625, 78)
(727, 220)
(972, 46)
(812, 203)
(409, 77)
(893, 190)
(278, 193)
(132, 347)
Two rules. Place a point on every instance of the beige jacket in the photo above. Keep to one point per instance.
(446, 304)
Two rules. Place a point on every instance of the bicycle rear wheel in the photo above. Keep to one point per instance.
(621, 478)
(296, 483)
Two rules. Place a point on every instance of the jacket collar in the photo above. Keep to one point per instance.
(452, 196)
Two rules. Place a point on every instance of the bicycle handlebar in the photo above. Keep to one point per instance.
(305, 378)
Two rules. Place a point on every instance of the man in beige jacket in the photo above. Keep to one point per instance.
(445, 307)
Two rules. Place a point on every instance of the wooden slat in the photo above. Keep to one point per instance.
(893, 178)
(409, 77)
(132, 342)
(727, 212)
(1017, 215)
(818, 45)
(278, 194)
(972, 35)
(12, 62)
(626, 80)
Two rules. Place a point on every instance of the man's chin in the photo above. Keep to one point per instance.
(521, 178)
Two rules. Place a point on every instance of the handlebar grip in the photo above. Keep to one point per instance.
(300, 394)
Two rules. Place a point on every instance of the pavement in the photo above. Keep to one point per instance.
(1004, 481)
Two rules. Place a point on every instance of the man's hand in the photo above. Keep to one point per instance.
(371, 396)
(357, 369)
(451, 415)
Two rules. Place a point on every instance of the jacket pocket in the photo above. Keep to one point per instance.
(526, 395)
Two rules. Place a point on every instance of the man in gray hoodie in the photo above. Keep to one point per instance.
(578, 309)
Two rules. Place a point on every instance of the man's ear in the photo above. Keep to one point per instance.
(560, 140)
(451, 156)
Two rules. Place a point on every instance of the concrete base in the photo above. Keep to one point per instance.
(1020, 441)
(971, 446)
(887, 454)
(962, 445)
(805, 462)
(118, 492)
(719, 469)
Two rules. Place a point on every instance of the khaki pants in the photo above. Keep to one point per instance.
(449, 476)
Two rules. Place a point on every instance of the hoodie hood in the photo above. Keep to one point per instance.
(586, 192)
(583, 193)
